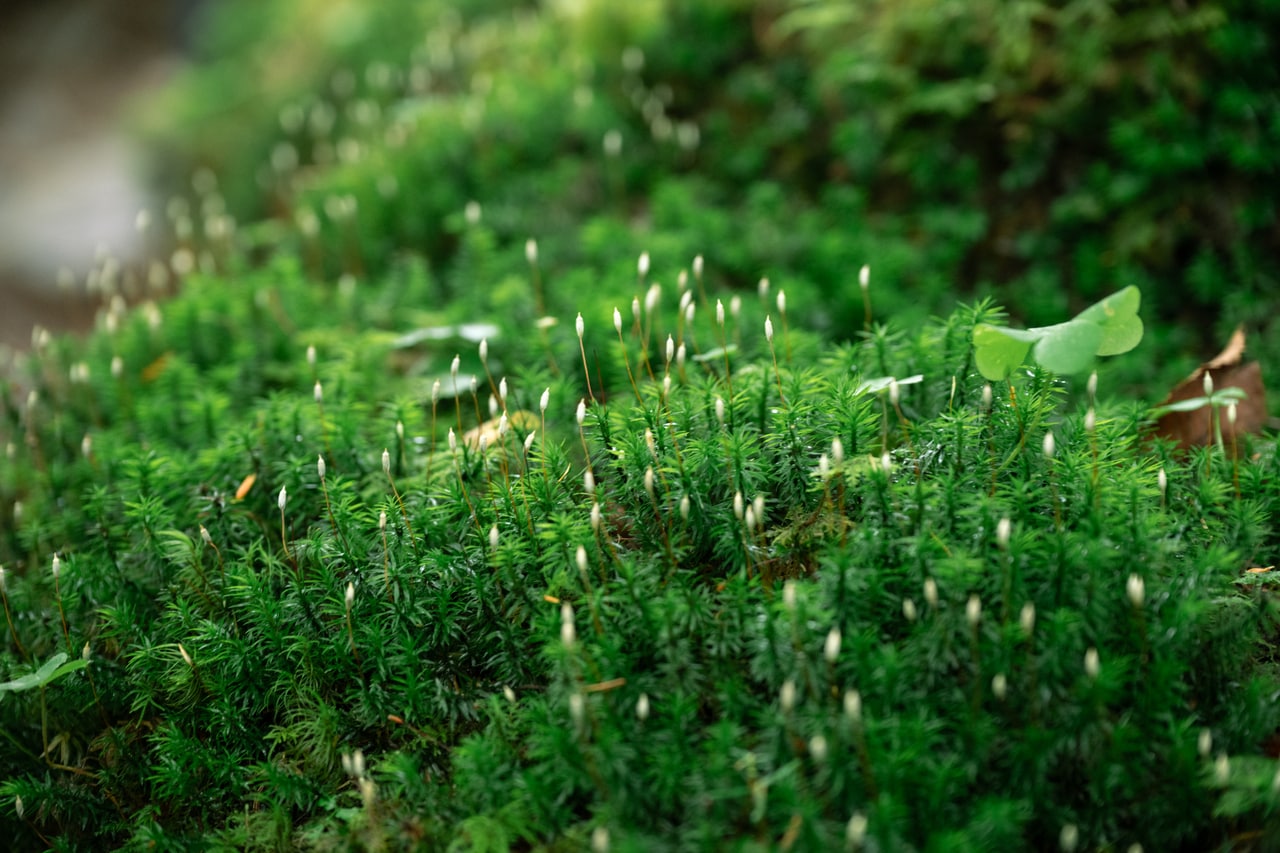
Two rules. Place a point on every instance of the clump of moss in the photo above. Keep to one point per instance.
(387, 586)
(540, 478)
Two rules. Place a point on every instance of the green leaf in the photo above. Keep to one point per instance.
(1222, 397)
(1181, 406)
(880, 383)
(1068, 347)
(999, 351)
(467, 332)
(713, 354)
(52, 669)
(1109, 327)
(1118, 317)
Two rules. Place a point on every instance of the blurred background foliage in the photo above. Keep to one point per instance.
(1046, 153)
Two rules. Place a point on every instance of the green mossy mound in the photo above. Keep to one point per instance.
(432, 514)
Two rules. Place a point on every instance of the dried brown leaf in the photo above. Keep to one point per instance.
(1231, 355)
(1228, 370)
(489, 429)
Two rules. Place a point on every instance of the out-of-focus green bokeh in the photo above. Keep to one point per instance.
(1045, 152)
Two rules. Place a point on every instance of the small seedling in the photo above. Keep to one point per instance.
(1109, 327)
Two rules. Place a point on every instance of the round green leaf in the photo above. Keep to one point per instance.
(999, 351)
(1117, 315)
(1068, 347)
